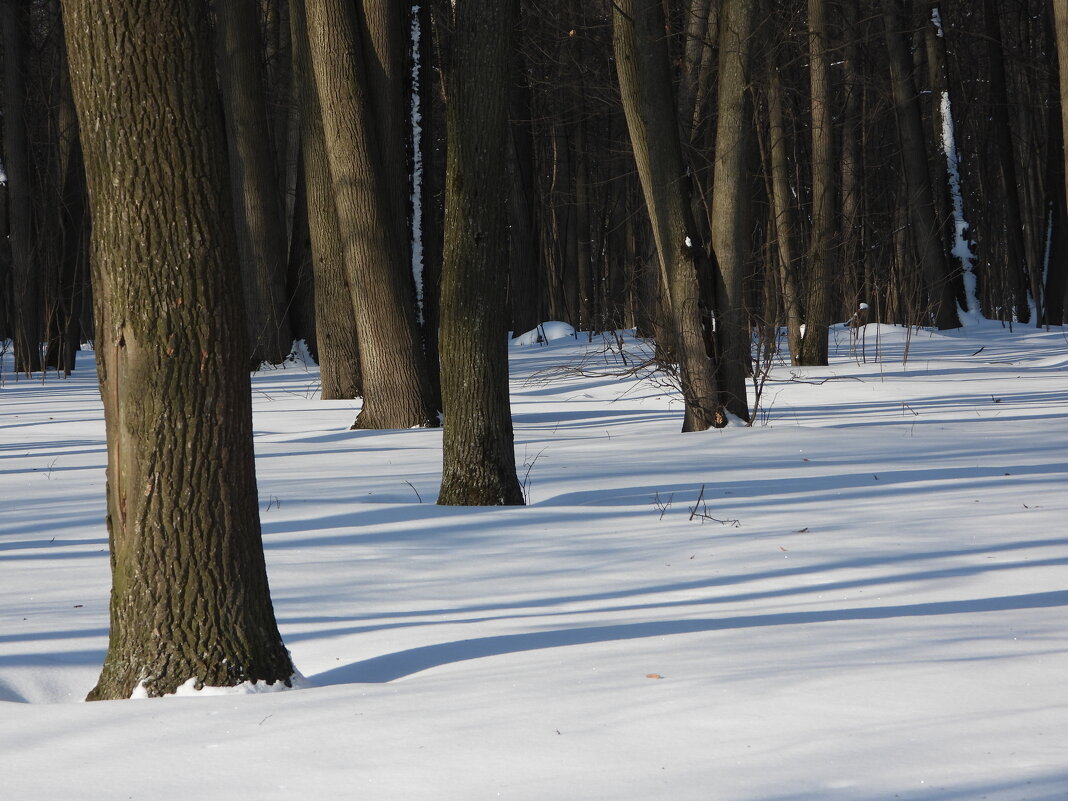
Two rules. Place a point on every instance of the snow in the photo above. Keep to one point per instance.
(867, 602)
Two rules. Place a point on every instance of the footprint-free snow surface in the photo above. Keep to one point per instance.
(860, 597)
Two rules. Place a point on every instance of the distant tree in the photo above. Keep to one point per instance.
(25, 282)
(479, 458)
(820, 276)
(920, 208)
(189, 594)
(1057, 297)
(338, 350)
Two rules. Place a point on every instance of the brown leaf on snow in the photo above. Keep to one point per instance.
(653, 676)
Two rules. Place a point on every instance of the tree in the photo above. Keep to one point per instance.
(26, 302)
(932, 256)
(259, 215)
(643, 66)
(189, 597)
(338, 350)
(479, 459)
(396, 390)
(730, 194)
(820, 252)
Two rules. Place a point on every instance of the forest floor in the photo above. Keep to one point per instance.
(860, 597)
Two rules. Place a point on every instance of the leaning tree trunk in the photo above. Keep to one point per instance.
(730, 196)
(396, 390)
(189, 598)
(259, 213)
(479, 458)
(645, 83)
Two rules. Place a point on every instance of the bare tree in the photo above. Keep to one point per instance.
(478, 454)
(189, 598)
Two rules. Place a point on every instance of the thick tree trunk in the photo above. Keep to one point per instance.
(730, 213)
(335, 333)
(396, 390)
(259, 213)
(645, 83)
(478, 454)
(189, 600)
(934, 262)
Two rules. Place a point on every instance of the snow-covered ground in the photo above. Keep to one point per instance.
(867, 603)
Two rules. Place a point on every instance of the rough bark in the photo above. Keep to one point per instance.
(645, 83)
(259, 213)
(189, 598)
(478, 453)
(729, 218)
(392, 362)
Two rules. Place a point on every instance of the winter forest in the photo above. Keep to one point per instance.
(641, 399)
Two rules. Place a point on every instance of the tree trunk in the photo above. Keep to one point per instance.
(821, 251)
(335, 332)
(645, 83)
(730, 199)
(190, 601)
(26, 293)
(1009, 198)
(1060, 25)
(259, 213)
(396, 390)
(934, 263)
(783, 216)
(478, 454)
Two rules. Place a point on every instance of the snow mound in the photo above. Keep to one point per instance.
(546, 332)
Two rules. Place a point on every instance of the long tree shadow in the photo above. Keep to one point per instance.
(390, 667)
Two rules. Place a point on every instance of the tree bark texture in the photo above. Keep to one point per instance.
(645, 83)
(396, 392)
(730, 199)
(478, 452)
(259, 211)
(189, 598)
(335, 321)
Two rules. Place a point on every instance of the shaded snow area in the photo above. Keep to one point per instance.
(867, 603)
